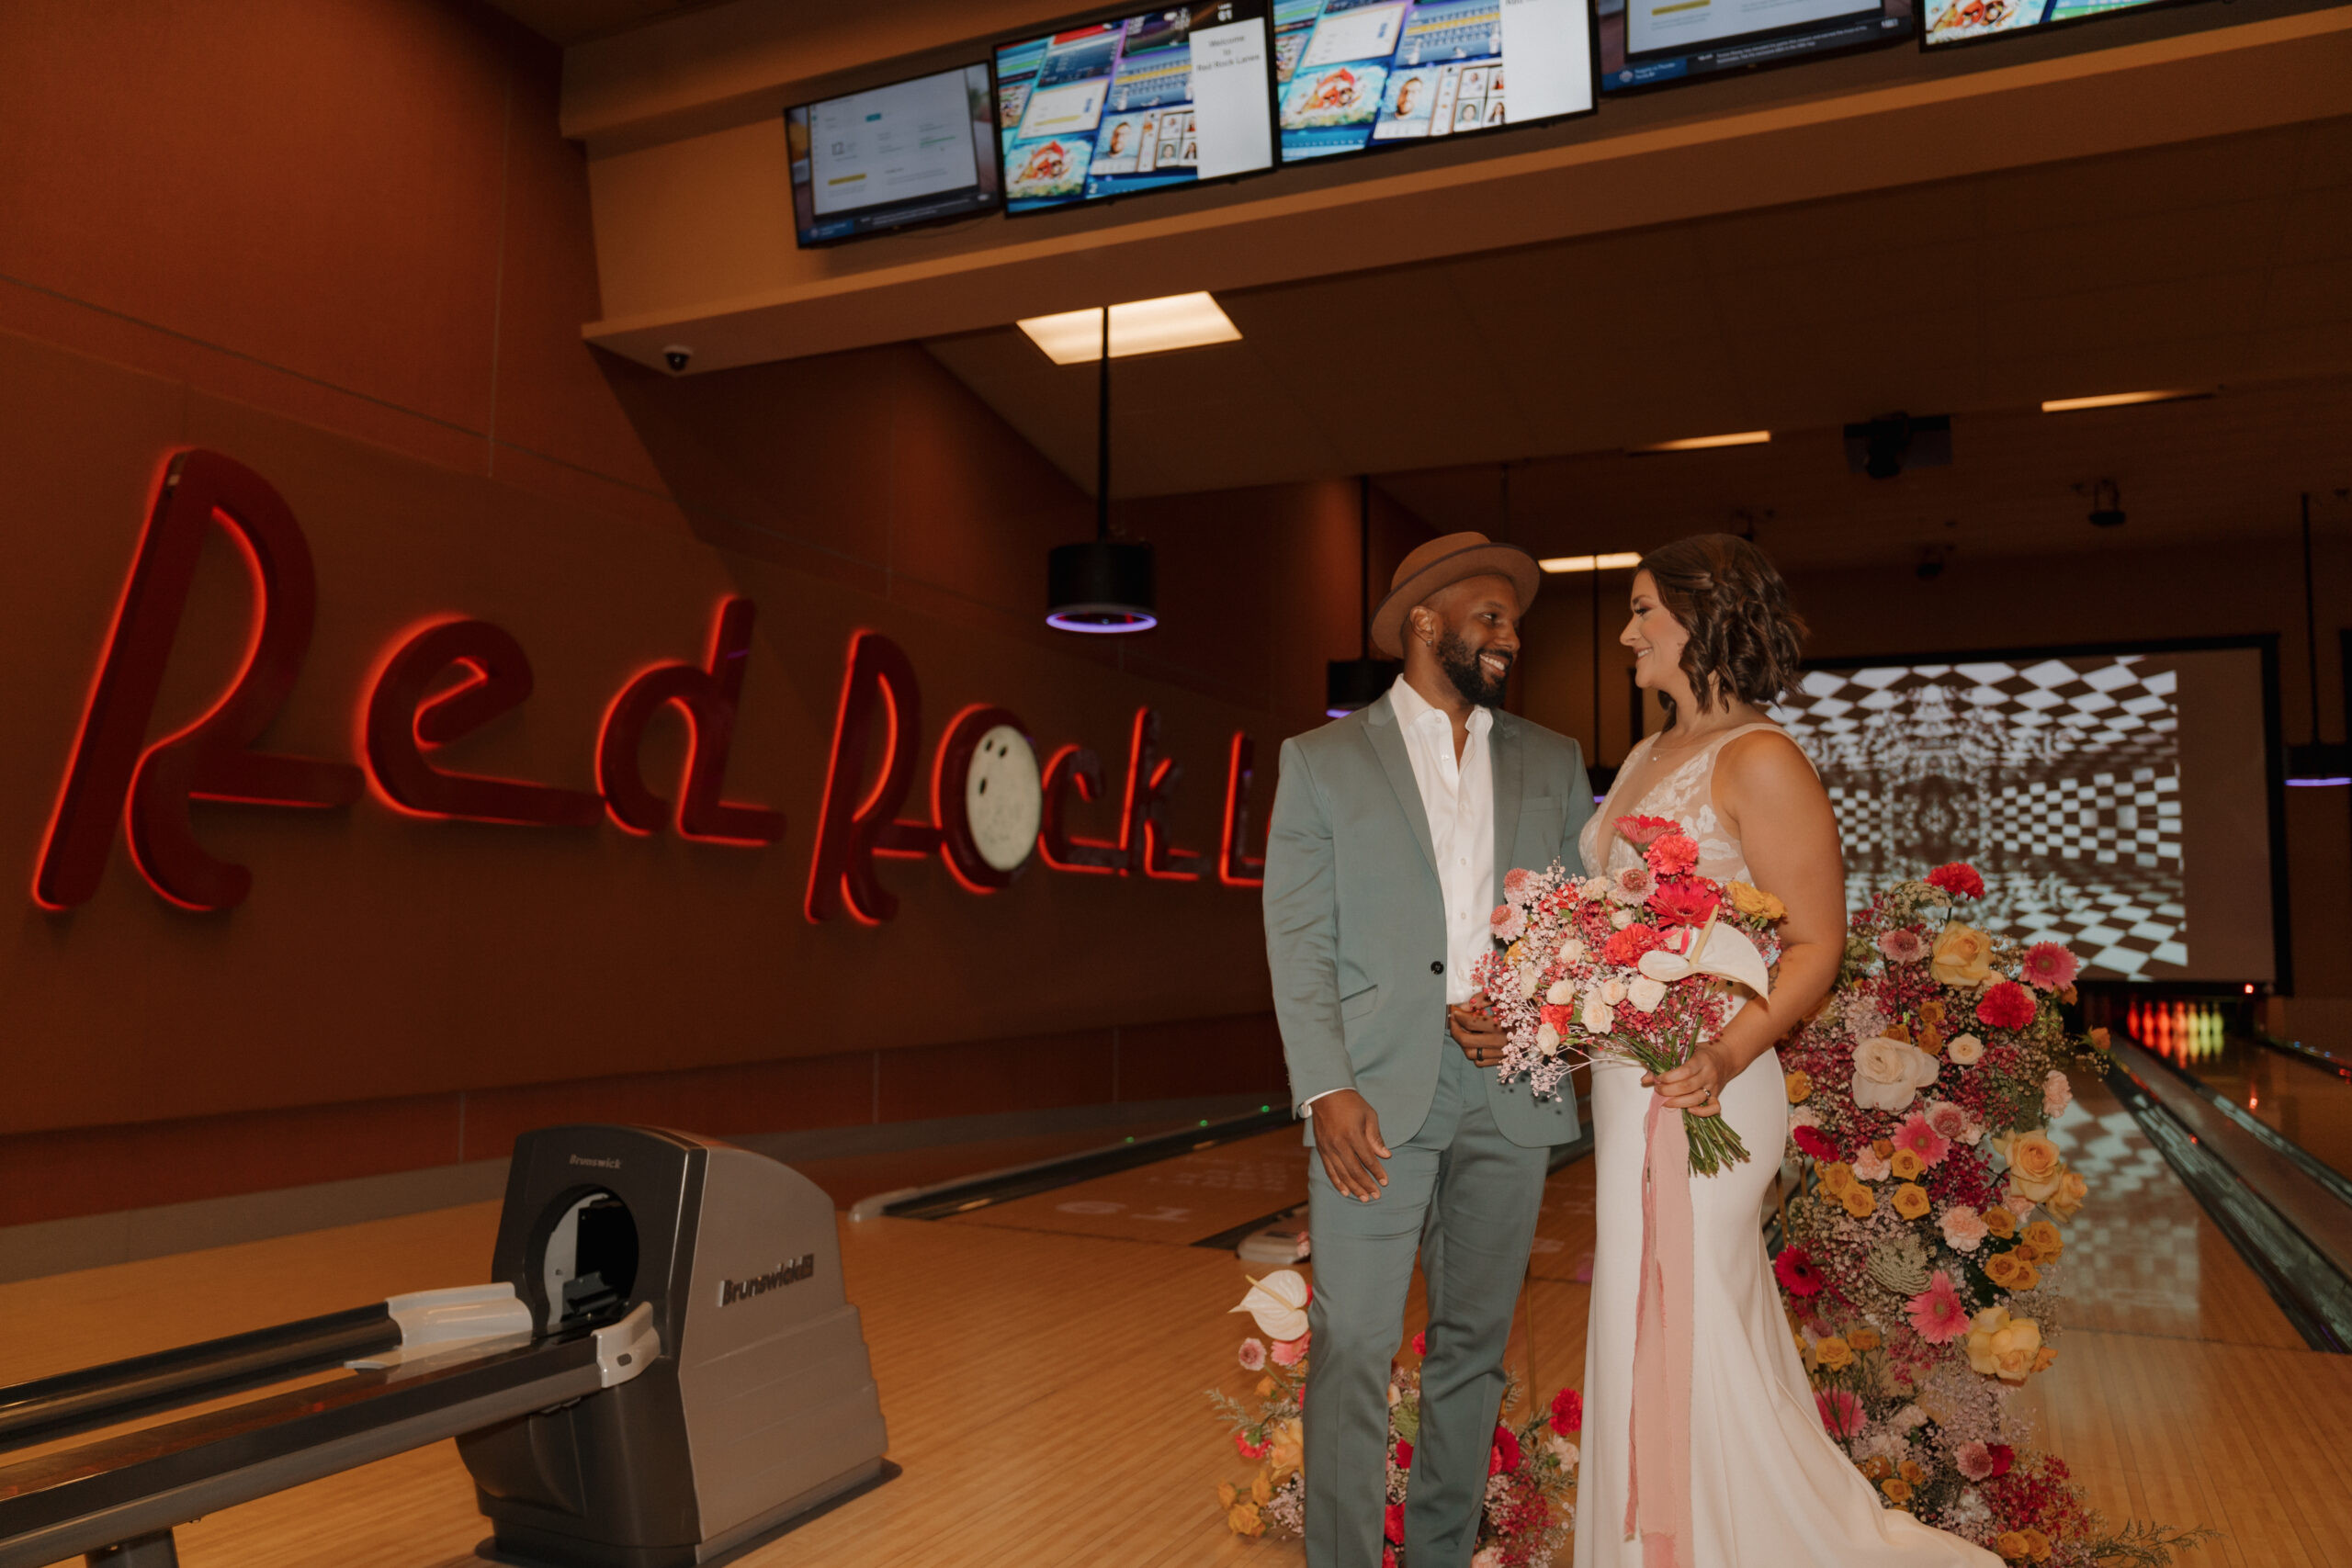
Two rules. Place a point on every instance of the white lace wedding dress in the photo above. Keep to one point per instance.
(1768, 1486)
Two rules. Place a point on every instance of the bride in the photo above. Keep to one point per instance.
(1702, 1445)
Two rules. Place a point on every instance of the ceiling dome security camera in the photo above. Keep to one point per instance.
(677, 356)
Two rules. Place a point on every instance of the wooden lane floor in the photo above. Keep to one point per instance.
(1178, 1201)
(2306, 1104)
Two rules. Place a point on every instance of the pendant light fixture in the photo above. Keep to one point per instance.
(2316, 764)
(1103, 586)
(1352, 683)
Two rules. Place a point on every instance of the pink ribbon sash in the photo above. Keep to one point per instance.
(1657, 1482)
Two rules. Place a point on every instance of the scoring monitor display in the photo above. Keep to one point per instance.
(1354, 75)
(1138, 103)
(1965, 21)
(2117, 802)
(914, 151)
(1653, 43)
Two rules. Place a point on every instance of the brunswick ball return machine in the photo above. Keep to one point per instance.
(664, 1370)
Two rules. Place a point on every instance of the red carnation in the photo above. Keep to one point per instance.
(1645, 830)
(1421, 1343)
(1393, 1526)
(1404, 1455)
(1505, 1455)
(1959, 879)
(1567, 1411)
(2006, 1006)
(1559, 1015)
(1796, 1273)
(1251, 1451)
(1673, 855)
(1683, 903)
(1627, 946)
(2003, 1457)
(1814, 1142)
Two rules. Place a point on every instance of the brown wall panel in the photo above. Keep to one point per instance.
(1200, 1056)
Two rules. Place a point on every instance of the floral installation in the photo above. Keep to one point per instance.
(1531, 1468)
(1634, 964)
(1919, 1268)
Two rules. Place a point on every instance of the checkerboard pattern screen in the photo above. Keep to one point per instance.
(2059, 779)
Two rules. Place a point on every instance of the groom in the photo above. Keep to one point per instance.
(1392, 830)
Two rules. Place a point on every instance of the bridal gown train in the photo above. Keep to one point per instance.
(1768, 1487)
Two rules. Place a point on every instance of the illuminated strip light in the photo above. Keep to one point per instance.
(1618, 562)
(2319, 784)
(1140, 326)
(1703, 442)
(2121, 399)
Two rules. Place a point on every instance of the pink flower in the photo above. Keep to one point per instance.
(2056, 1092)
(1964, 1229)
(1922, 1139)
(2017, 1203)
(1253, 1354)
(1937, 1313)
(1519, 884)
(1952, 1122)
(1645, 830)
(1870, 1166)
(1840, 1412)
(1507, 923)
(2006, 1006)
(1974, 1459)
(1567, 1411)
(1290, 1352)
(1633, 884)
(2049, 966)
(1684, 903)
(1672, 856)
(1794, 1268)
(1905, 946)
(1959, 879)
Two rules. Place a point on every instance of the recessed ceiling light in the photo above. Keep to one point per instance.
(2118, 400)
(1617, 562)
(1140, 326)
(1701, 442)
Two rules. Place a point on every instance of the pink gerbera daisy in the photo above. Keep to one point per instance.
(2049, 966)
(1646, 831)
(1841, 1412)
(1922, 1139)
(1937, 1312)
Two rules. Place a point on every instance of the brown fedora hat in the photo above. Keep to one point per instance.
(1440, 563)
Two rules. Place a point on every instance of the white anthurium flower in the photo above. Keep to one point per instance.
(1716, 949)
(1279, 1303)
(1560, 993)
(1547, 1040)
(1645, 994)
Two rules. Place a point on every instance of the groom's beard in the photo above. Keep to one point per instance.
(1460, 662)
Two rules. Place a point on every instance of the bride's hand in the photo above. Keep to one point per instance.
(1693, 1085)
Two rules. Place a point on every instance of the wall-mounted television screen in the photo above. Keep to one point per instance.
(1966, 21)
(2121, 800)
(1356, 75)
(1655, 43)
(915, 151)
(1140, 102)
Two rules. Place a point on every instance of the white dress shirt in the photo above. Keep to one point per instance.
(1458, 797)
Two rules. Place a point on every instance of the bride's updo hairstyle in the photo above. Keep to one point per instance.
(1728, 597)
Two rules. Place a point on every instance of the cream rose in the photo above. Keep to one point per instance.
(1530, 981)
(1547, 1040)
(1967, 1050)
(1560, 993)
(1962, 956)
(2002, 1346)
(2036, 1167)
(1572, 951)
(1612, 991)
(1645, 994)
(1889, 1074)
(1600, 1017)
(2072, 1191)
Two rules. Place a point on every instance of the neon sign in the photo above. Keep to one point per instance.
(991, 807)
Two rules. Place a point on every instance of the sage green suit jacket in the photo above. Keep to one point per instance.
(1355, 918)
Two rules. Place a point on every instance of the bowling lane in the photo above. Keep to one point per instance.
(2302, 1100)
(1175, 1201)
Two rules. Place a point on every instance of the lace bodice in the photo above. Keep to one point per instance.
(1687, 795)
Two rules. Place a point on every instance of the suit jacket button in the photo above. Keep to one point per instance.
(1437, 966)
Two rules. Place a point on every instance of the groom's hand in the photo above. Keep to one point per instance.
(1347, 1135)
(1481, 1039)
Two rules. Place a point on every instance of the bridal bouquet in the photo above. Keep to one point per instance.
(1531, 1465)
(1637, 963)
(1921, 1277)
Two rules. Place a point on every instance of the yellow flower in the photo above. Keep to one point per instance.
(2036, 1167)
(1897, 1490)
(1242, 1519)
(2000, 1222)
(1288, 1454)
(1755, 901)
(2002, 1346)
(1931, 1039)
(1932, 1010)
(1858, 1203)
(1878, 1466)
(1800, 1084)
(1834, 1353)
(1835, 1178)
(2045, 1357)
(1910, 1471)
(1265, 1387)
(2011, 1546)
(2043, 1237)
(1863, 1339)
(1910, 1199)
(1262, 1491)
(2037, 1545)
(2029, 1277)
(2068, 1199)
(2004, 1269)
(1805, 1350)
(1907, 1164)
(1962, 956)
(1225, 1494)
(1885, 1148)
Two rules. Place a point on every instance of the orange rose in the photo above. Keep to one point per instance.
(2043, 1237)
(2024, 1253)
(1897, 1490)
(1834, 1353)
(1907, 1164)
(1878, 1466)
(2011, 1546)
(2000, 1222)
(2037, 1545)
(1911, 1471)
(2004, 1269)
(1863, 1339)
(1884, 1148)
(1931, 1039)
(1835, 1177)
(1225, 1494)
(1911, 1200)
(1242, 1519)
(1858, 1203)
(2036, 1167)
(1962, 957)
(1800, 1087)
(2068, 1199)
(2029, 1277)
(1932, 1010)
(2002, 1346)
